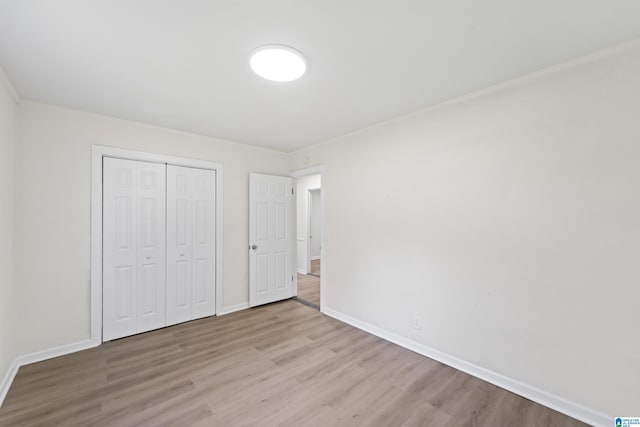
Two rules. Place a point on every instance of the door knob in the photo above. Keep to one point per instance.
(148, 256)
(254, 247)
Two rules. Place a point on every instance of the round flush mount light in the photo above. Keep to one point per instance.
(278, 63)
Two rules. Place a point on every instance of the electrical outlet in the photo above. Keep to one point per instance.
(417, 323)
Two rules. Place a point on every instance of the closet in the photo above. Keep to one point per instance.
(190, 243)
(158, 245)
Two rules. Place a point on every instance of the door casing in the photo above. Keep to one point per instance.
(309, 214)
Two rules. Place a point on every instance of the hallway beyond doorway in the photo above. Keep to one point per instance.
(315, 268)
(309, 289)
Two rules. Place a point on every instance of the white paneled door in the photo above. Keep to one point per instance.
(133, 247)
(159, 245)
(270, 239)
(190, 243)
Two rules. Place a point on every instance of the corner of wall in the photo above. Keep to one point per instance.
(8, 139)
(9, 87)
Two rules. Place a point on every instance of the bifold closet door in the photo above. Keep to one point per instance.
(190, 243)
(134, 286)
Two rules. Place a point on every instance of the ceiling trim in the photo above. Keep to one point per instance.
(39, 104)
(498, 87)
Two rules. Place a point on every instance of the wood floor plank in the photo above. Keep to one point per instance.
(315, 267)
(309, 288)
(283, 364)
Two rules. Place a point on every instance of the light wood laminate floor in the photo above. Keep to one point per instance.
(315, 267)
(309, 289)
(283, 364)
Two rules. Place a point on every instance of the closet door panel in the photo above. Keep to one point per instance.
(151, 253)
(133, 247)
(190, 243)
(204, 232)
(180, 187)
(120, 268)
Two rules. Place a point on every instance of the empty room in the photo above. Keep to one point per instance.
(290, 213)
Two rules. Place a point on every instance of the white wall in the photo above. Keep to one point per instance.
(316, 224)
(7, 150)
(303, 185)
(510, 222)
(52, 257)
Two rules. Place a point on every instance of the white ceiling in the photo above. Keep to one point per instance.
(183, 64)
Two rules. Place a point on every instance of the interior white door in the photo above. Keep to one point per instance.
(271, 258)
(191, 257)
(133, 247)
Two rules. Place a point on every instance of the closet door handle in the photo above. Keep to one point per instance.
(254, 247)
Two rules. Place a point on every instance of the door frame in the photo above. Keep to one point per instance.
(299, 173)
(309, 207)
(98, 152)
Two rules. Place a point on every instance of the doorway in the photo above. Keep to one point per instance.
(281, 241)
(309, 238)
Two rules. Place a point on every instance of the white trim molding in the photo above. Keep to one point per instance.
(308, 227)
(39, 356)
(530, 392)
(98, 152)
(299, 241)
(8, 380)
(51, 353)
(498, 87)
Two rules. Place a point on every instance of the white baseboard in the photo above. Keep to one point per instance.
(542, 397)
(39, 356)
(559, 404)
(233, 308)
(301, 271)
(315, 258)
(7, 380)
(62, 350)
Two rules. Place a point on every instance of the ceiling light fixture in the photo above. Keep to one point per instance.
(278, 63)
